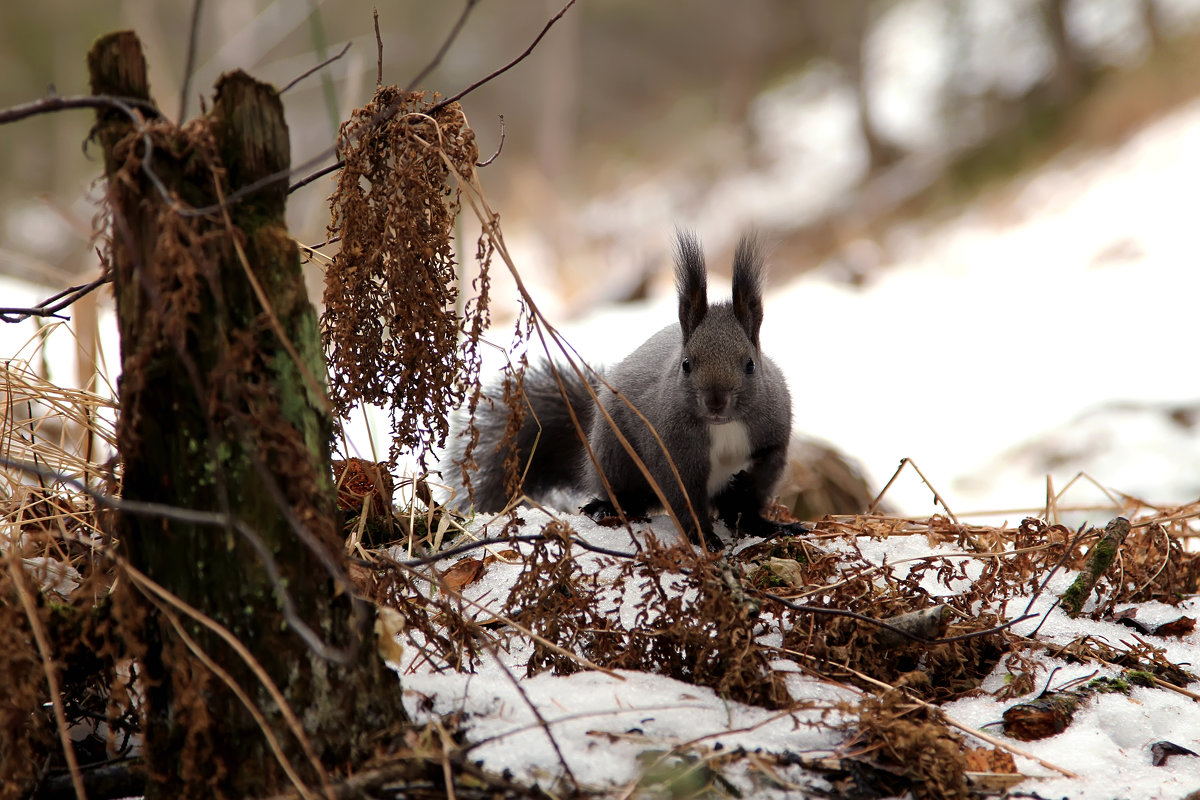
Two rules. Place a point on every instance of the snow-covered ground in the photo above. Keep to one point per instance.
(604, 725)
(1045, 331)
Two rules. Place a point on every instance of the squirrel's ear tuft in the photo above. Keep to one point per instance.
(691, 281)
(747, 285)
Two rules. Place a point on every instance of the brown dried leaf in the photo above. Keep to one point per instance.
(505, 556)
(463, 573)
(1179, 627)
(389, 623)
(983, 759)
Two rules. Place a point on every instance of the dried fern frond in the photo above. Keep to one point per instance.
(392, 329)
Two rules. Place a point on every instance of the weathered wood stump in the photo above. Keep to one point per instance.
(224, 412)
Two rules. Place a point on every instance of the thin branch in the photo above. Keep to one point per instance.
(1100, 558)
(1070, 548)
(468, 747)
(522, 539)
(321, 173)
(51, 306)
(320, 66)
(437, 59)
(189, 63)
(937, 498)
(542, 723)
(509, 65)
(384, 114)
(499, 147)
(834, 612)
(49, 105)
(378, 50)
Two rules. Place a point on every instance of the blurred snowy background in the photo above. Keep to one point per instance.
(980, 210)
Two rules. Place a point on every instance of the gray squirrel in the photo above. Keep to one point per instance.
(720, 406)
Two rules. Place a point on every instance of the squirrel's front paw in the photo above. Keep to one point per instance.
(792, 528)
(602, 512)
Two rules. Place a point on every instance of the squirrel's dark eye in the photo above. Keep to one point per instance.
(749, 365)
(687, 366)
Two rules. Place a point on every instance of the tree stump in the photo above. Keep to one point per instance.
(224, 411)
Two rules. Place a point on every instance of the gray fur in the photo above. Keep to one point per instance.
(727, 380)
(553, 463)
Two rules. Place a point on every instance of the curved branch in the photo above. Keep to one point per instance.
(48, 105)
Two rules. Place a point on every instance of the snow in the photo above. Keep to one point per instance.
(601, 723)
(604, 724)
(1108, 742)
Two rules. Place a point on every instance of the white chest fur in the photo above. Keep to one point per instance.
(728, 453)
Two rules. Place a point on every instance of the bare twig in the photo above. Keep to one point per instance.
(509, 65)
(821, 610)
(878, 623)
(542, 723)
(189, 63)
(378, 50)
(499, 147)
(437, 59)
(1083, 529)
(1100, 557)
(613, 712)
(524, 539)
(307, 180)
(51, 306)
(382, 115)
(49, 105)
(879, 497)
(313, 69)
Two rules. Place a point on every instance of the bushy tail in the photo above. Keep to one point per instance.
(547, 441)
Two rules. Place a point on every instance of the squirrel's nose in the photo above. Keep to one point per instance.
(716, 402)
